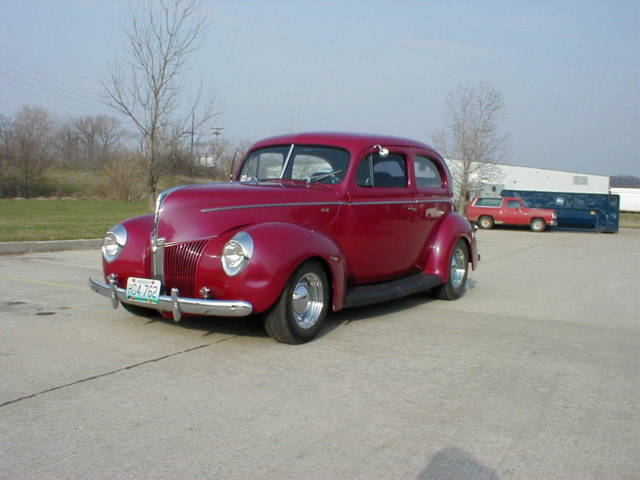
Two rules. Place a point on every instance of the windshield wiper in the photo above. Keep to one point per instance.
(316, 177)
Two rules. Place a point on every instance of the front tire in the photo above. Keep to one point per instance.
(299, 313)
(458, 271)
(538, 225)
(485, 222)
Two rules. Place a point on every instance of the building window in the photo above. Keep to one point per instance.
(580, 180)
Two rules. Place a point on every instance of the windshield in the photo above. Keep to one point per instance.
(302, 163)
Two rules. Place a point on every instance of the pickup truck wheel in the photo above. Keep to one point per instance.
(538, 225)
(458, 270)
(485, 222)
(139, 311)
(300, 311)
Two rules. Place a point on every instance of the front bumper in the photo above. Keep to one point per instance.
(174, 303)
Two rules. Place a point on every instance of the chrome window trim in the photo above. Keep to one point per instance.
(286, 162)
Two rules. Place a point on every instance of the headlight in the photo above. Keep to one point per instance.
(114, 240)
(237, 253)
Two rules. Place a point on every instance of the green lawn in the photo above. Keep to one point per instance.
(62, 219)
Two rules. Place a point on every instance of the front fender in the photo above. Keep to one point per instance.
(452, 228)
(279, 248)
(134, 260)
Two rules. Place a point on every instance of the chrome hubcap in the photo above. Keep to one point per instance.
(458, 268)
(307, 300)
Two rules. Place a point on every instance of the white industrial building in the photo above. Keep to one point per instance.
(629, 198)
(498, 177)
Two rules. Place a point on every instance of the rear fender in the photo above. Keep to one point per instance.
(452, 228)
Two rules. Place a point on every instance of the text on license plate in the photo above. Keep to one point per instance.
(143, 289)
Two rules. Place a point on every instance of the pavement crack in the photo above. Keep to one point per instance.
(118, 370)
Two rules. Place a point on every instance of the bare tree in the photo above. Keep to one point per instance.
(32, 134)
(6, 134)
(473, 140)
(100, 137)
(146, 83)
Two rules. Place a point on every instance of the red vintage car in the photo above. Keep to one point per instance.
(312, 222)
(489, 211)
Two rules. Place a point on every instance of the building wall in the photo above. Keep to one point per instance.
(629, 198)
(514, 177)
(545, 180)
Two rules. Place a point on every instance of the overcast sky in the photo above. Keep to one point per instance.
(569, 71)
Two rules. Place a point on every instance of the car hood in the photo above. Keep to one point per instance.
(201, 211)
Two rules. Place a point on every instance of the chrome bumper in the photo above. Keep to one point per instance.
(174, 303)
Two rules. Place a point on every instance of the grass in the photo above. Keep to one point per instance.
(629, 219)
(62, 219)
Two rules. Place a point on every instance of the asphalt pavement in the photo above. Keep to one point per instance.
(533, 374)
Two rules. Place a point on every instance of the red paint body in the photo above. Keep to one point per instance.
(360, 234)
(510, 211)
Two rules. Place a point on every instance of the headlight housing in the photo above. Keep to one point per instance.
(114, 241)
(236, 253)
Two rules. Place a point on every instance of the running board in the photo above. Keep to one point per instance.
(391, 290)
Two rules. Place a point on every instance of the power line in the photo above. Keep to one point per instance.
(66, 90)
(55, 100)
(48, 90)
(42, 74)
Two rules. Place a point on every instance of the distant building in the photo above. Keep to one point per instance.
(513, 177)
(629, 198)
(206, 161)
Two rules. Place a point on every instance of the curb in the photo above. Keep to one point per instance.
(49, 246)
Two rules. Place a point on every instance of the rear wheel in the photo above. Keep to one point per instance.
(485, 222)
(299, 313)
(538, 225)
(458, 270)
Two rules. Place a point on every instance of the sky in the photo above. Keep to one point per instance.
(569, 71)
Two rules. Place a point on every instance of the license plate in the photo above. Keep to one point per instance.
(143, 289)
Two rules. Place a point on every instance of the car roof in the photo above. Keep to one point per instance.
(349, 140)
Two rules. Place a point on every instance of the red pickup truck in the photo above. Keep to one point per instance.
(488, 211)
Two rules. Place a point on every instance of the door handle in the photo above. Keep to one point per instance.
(411, 209)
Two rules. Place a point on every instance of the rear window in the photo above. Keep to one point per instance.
(488, 202)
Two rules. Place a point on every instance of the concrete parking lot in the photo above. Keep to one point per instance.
(534, 374)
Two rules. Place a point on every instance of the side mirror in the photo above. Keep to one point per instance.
(382, 151)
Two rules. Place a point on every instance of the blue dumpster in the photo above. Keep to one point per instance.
(594, 211)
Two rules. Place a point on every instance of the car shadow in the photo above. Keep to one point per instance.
(252, 325)
(456, 464)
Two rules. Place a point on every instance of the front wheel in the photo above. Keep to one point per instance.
(299, 313)
(458, 270)
(538, 225)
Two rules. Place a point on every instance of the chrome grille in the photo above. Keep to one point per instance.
(180, 262)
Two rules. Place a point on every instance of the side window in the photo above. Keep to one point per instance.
(264, 164)
(488, 202)
(382, 172)
(513, 204)
(427, 174)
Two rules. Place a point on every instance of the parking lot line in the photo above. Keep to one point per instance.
(40, 282)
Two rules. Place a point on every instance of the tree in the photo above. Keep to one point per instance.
(32, 137)
(625, 181)
(6, 134)
(473, 140)
(145, 84)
